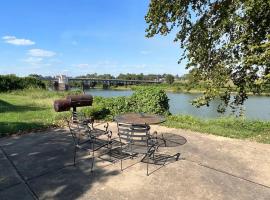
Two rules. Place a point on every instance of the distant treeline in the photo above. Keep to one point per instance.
(12, 82)
(128, 76)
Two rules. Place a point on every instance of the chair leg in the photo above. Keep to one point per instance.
(122, 155)
(165, 143)
(93, 156)
(110, 152)
(110, 149)
(74, 156)
(177, 156)
(147, 165)
(121, 158)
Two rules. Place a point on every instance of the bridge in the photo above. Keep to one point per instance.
(63, 82)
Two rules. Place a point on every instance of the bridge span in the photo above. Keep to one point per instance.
(62, 82)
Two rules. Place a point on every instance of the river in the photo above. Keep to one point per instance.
(256, 107)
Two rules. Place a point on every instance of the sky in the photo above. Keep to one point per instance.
(77, 37)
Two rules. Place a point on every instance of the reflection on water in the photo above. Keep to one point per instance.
(256, 107)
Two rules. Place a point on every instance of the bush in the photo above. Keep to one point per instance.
(150, 100)
(107, 108)
(12, 82)
(147, 100)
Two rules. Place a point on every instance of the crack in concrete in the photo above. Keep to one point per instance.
(227, 173)
(20, 176)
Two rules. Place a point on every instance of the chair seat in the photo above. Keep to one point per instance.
(98, 132)
(136, 148)
(88, 144)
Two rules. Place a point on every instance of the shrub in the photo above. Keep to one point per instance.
(150, 100)
(147, 100)
(12, 82)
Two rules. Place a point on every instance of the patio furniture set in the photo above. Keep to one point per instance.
(133, 130)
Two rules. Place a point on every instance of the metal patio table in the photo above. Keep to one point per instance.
(139, 118)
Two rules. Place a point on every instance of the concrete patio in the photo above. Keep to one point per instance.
(39, 166)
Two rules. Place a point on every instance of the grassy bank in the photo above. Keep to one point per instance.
(258, 131)
(178, 87)
(22, 111)
(28, 110)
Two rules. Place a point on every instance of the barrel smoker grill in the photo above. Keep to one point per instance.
(73, 101)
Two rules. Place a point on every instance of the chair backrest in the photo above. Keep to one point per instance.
(78, 131)
(133, 133)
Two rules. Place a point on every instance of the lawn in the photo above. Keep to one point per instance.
(27, 110)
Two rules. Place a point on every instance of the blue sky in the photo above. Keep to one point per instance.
(76, 37)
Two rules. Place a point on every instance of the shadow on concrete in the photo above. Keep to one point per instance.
(171, 140)
(8, 107)
(45, 163)
(70, 182)
(159, 160)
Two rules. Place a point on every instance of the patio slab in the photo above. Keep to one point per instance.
(36, 154)
(16, 192)
(210, 167)
(180, 180)
(245, 159)
(8, 176)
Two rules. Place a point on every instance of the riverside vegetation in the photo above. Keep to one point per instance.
(31, 109)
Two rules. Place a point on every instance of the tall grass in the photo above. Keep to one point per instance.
(227, 126)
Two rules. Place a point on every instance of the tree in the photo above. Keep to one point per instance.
(36, 76)
(225, 41)
(169, 79)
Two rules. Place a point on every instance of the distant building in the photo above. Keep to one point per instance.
(62, 79)
(62, 83)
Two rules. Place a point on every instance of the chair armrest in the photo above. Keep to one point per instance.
(106, 126)
(109, 134)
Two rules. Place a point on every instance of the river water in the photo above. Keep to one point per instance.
(256, 107)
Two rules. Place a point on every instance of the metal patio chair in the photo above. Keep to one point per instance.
(86, 137)
(136, 139)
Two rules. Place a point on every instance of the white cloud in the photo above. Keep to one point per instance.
(17, 41)
(33, 60)
(82, 65)
(41, 53)
(144, 52)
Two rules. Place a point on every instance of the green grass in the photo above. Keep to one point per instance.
(23, 111)
(258, 131)
(28, 110)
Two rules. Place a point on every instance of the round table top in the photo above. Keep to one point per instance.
(139, 118)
